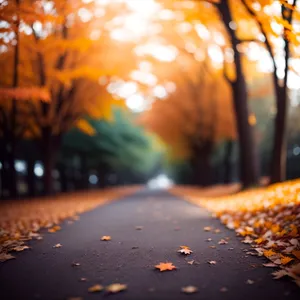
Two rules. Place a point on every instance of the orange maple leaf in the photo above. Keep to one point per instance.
(167, 266)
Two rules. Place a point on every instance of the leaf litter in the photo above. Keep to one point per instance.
(268, 220)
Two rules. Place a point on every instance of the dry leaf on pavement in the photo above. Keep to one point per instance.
(106, 238)
(222, 242)
(57, 246)
(116, 288)
(167, 266)
(185, 250)
(5, 256)
(212, 262)
(189, 289)
(54, 229)
(95, 288)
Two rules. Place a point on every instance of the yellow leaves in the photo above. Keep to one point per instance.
(167, 266)
(54, 229)
(85, 127)
(96, 288)
(106, 238)
(259, 241)
(285, 260)
(115, 288)
(269, 253)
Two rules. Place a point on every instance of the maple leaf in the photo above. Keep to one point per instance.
(116, 288)
(167, 266)
(57, 246)
(185, 250)
(106, 238)
(95, 288)
(190, 289)
(247, 240)
(285, 260)
(212, 262)
(5, 256)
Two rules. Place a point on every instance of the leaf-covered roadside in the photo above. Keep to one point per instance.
(21, 221)
(268, 219)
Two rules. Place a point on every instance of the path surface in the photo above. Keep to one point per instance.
(168, 222)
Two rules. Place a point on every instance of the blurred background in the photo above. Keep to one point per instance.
(119, 92)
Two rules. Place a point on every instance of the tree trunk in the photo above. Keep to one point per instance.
(201, 164)
(63, 178)
(249, 165)
(30, 177)
(49, 148)
(227, 161)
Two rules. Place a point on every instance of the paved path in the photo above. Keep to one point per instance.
(168, 222)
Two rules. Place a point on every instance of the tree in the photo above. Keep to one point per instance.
(287, 35)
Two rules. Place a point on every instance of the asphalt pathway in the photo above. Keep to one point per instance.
(46, 273)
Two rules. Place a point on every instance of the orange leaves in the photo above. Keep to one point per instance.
(167, 266)
(106, 238)
(54, 229)
(96, 288)
(115, 288)
(185, 250)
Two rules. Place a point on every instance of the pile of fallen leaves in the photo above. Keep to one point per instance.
(22, 220)
(268, 219)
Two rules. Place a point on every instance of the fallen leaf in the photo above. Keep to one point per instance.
(207, 228)
(212, 262)
(83, 279)
(217, 231)
(247, 240)
(191, 262)
(20, 248)
(75, 264)
(279, 274)
(95, 288)
(270, 265)
(189, 289)
(222, 242)
(54, 229)
(212, 247)
(165, 266)
(106, 238)
(296, 253)
(285, 260)
(249, 281)
(5, 256)
(57, 246)
(185, 250)
(116, 288)
(209, 240)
